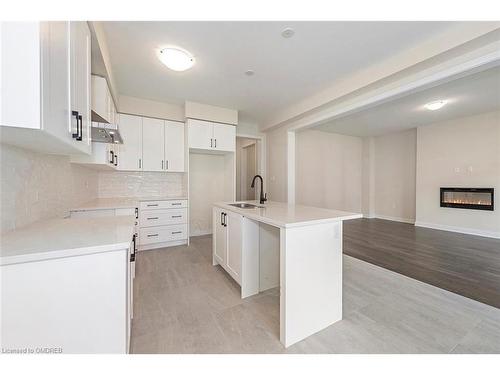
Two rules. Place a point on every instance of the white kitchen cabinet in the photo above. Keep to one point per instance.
(80, 66)
(234, 227)
(228, 241)
(103, 106)
(174, 146)
(45, 86)
(206, 135)
(153, 144)
(130, 157)
(100, 98)
(220, 239)
(224, 137)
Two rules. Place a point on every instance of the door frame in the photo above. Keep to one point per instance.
(260, 150)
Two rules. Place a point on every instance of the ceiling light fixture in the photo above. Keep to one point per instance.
(250, 72)
(288, 32)
(176, 59)
(437, 104)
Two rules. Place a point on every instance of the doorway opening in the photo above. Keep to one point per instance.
(247, 166)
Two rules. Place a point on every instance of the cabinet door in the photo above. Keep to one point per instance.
(224, 137)
(234, 245)
(200, 134)
(57, 119)
(174, 146)
(220, 238)
(20, 74)
(130, 156)
(80, 80)
(153, 145)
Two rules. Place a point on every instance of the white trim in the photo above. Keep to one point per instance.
(450, 228)
(291, 167)
(197, 233)
(394, 218)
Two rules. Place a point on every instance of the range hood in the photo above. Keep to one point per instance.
(105, 133)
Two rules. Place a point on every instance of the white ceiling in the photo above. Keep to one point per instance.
(475, 93)
(286, 70)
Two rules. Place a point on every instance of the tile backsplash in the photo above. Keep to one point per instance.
(37, 186)
(136, 184)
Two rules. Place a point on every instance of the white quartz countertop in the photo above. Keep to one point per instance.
(119, 202)
(58, 238)
(289, 215)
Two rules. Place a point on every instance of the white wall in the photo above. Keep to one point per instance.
(394, 176)
(150, 108)
(276, 146)
(328, 170)
(460, 153)
(206, 186)
(36, 186)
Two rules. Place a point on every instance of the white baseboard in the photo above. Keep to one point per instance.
(391, 218)
(200, 233)
(449, 228)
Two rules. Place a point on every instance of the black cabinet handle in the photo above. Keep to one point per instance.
(222, 218)
(176, 204)
(79, 125)
(178, 232)
(112, 157)
(76, 114)
(152, 235)
(152, 218)
(215, 142)
(116, 160)
(211, 142)
(153, 205)
(167, 165)
(176, 216)
(136, 213)
(132, 256)
(224, 223)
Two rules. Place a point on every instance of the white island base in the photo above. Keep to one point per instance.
(294, 247)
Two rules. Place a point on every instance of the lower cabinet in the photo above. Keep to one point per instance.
(228, 229)
(75, 304)
(163, 223)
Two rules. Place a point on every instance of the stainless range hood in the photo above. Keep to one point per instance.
(105, 133)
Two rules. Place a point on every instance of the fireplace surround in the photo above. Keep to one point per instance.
(468, 198)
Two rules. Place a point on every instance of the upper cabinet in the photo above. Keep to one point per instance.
(150, 144)
(45, 86)
(103, 106)
(153, 144)
(174, 146)
(206, 135)
(131, 149)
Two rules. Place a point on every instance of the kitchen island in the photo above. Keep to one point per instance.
(297, 248)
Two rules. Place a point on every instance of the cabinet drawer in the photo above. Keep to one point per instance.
(162, 234)
(151, 218)
(154, 205)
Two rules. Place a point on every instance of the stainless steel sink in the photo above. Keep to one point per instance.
(244, 205)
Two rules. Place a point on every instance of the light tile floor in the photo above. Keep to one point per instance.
(185, 305)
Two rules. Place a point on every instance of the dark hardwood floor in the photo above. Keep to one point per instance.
(463, 264)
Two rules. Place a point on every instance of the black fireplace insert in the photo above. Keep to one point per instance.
(469, 198)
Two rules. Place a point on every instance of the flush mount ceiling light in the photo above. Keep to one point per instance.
(249, 72)
(437, 104)
(288, 32)
(176, 59)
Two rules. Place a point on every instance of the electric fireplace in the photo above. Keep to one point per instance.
(469, 198)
